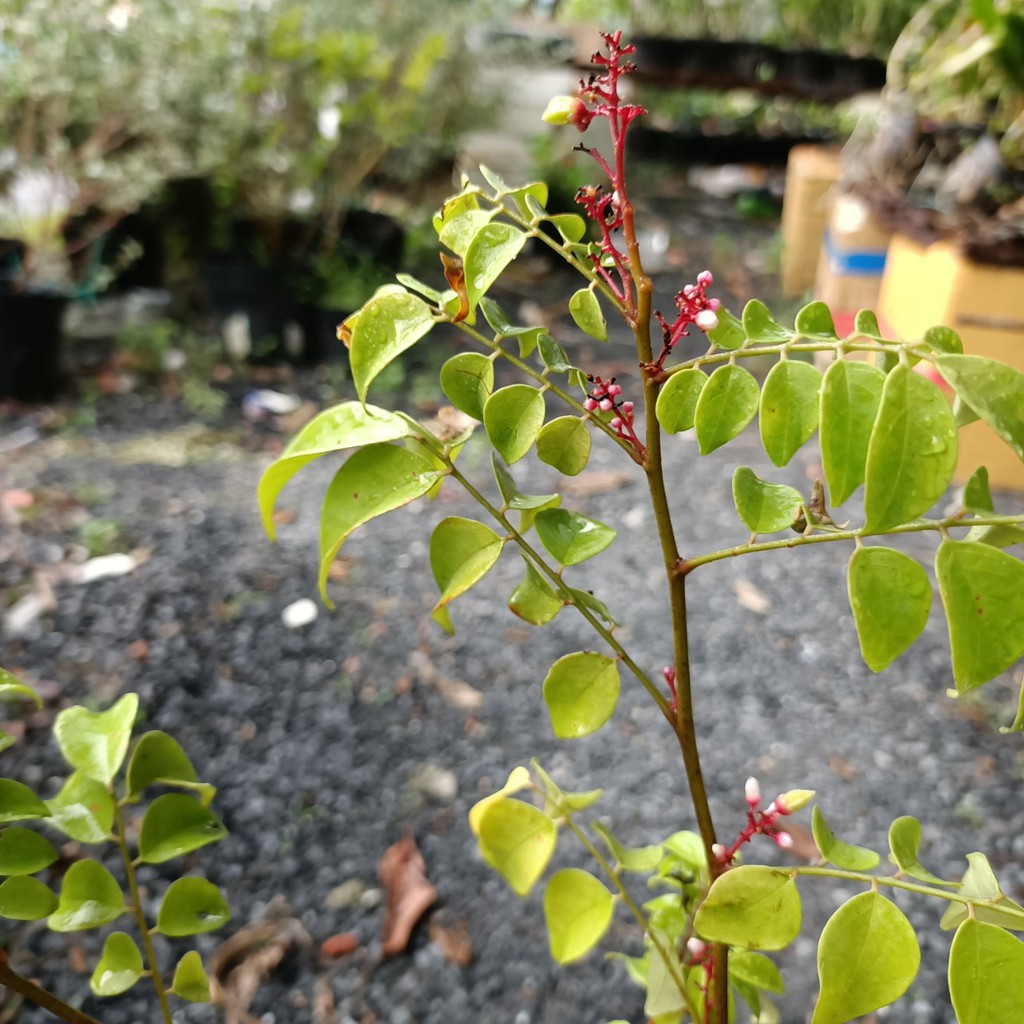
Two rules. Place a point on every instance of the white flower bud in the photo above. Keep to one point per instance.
(707, 320)
(752, 791)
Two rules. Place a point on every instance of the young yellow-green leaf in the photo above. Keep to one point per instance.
(581, 691)
(986, 974)
(191, 906)
(755, 969)
(493, 248)
(850, 395)
(753, 907)
(586, 599)
(761, 327)
(867, 958)
(24, 852)
(815, 320)
(729, 334)
(386, 326)
(570, 537)
(26, 899)
(789, 409)
(866, 323)
(518, 779)
(19, 803)
(375, 480)
(349, 425)
(904, 843)
(835, 851)
(912, 452)
(564, 443)
(1018, 722)
(175, 824)
(764, 507)
(459, 230)
(943, 339)
(530, 199)
(95, 742)
(119, 968)
(517, 840)
(190, 980)
(891, 598)
(462, 552)
(585, 309)
(993, 906)
(533, 600)
(641, 859)
(578, 910)
(993, 390)
(6, 740)
(677, 400)
(89, 897)
(726, 405)
(571, 226)
(468, 380)
(554, 794)
(982, 592)
(159, 758)
(12, 689)
(513, 417)
(455, 207)
(663, 996)
(83, 809)
(414, 284)
(977, 495)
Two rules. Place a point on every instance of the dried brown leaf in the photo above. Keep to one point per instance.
(403, 876)
(453, 942)
(596, 481)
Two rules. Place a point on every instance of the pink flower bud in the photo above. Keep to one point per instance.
(695, 946)
(627, 408)
(606, 405)
(613, 390)
(705, 278)
(719, 852)
(707, 320)
(794, 800)
(615, 424)
(784, 839)
(590, 404)
(752, 791)
(690, 290)
(715, 304)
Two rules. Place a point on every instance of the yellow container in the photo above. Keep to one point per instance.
(811, 172)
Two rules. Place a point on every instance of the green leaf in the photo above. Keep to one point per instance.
(992, 906)
(677, 400)
(585, 309)
(760, 327)
(752, 907)
(570, 537)
(19, 803)
(493, 248)
(993, 390)
(190, 980)
(517, 840)
(564, 443)
(581, 691)
(453, 209)
(12, 689)
(95, 742)
(414, 284)
(663, 996)
(977, 496)
(349, 425)
(375, 480)
(904, 842)
(83, 809)
(24, 852)
(468, 380)
(867, 958)
(755, 969)
(586, 599)
(191, 906)
(788, 409)
(912, 452)
(982, 592)
(6, 740)
(552, 355)
(513, 417)
(500, 323)
(986, 974)
(26, 899)
(1018, 722)
(943, 339)
(578, 910)
(764, 507)
(850, 395)
(119, 968)
(159, 758)
(554, 794)
(385, 327)
(640, 859)
(891, 598)
(727, 403)
(533, 600)
(175, 824)
(835, 851)
(89, 897)
(518, 780)
(729, 334)
(462, 552)
(815, 320)
(570, 226)
(866, 323)
(510, 494)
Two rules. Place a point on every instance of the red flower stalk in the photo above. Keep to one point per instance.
(695, 308)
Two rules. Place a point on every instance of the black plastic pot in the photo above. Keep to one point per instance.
(31, 335)
(250, 300)
(319, 329)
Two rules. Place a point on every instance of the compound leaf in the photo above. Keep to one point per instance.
(986, 974)
(850, 395)
(578, 910)
(764, 507)
(119, 968)
(175, 824)
(789, 408)
(570, 537)
(95, 742)
(384, 328)
(581, 691)
(677, 400)
(191, 906)
(564, 444)
(89, 897)
(517, 840)
(513, 417)
(727, 404)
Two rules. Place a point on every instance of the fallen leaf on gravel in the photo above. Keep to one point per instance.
(598, 481)
(340, 568)
(284, 516)
(403, 875)
(843, 768)
(138, 650)
(457, 693)
(454, 943)
(751, 598)
(339, 945)
(17, 499)
(78, 960)
(324, 1011)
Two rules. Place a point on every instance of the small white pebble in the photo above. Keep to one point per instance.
(300, 613)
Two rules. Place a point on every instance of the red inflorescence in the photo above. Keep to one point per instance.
(694, 308)
(603, 396)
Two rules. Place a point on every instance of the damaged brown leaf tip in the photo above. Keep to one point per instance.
(409, 894)
(455, 275)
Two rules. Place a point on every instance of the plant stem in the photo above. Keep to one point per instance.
(140, 916)
(11, 979)
(687, 565)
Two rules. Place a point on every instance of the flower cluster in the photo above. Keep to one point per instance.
(603, 396)
(694, 308)
(764, 822)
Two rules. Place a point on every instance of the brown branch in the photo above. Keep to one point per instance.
(10, 978)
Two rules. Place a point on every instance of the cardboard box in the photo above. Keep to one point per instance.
(924, 286)
(811, 174)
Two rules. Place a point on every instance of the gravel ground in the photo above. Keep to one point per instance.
(330, 742)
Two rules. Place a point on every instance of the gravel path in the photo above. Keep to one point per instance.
(330, 742)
